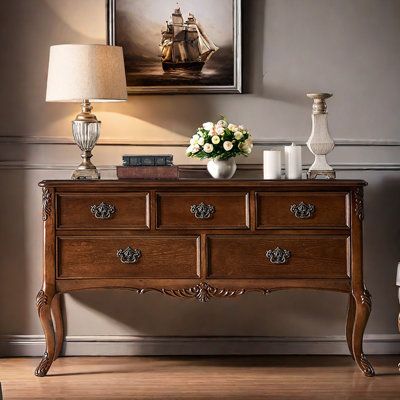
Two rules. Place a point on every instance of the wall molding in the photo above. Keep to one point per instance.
(21, 165)
(33, 345)
(47, 140)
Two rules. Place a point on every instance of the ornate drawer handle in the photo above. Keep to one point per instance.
(302, 210)
(202, 211)
(129, 255)
(103, 210)
(278, 255)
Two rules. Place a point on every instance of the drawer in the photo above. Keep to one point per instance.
(302, 210)
(203, 210)
(130, 256)
(103, 211)
(253, 256)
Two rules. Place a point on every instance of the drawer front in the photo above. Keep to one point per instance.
(203, 211)
(302, 210)
(277, 256)
(139, 257)
(103, 211)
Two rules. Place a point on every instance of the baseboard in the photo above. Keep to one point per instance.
(33, 345)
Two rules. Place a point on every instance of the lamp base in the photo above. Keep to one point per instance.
(86, 174)
(314, 174)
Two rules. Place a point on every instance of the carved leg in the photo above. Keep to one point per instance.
(58, 324)
(363, 309)
(351, 313)
(43, 302)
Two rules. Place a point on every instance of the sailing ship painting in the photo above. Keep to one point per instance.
(186, 47)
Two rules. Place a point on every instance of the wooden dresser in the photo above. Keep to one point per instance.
(203, 239)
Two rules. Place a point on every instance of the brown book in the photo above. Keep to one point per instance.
(164, 172)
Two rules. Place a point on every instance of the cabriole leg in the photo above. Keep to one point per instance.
(43, 303)
(363, 309)
(56, 310)
(351, 312)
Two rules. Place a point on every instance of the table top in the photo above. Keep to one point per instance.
(209, 182)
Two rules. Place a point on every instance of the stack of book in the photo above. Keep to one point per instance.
(147, 167)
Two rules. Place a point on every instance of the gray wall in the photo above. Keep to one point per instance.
(291, 47)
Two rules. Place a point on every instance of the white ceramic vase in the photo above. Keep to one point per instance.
(222, 169)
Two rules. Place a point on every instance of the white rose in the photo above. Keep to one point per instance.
(189, 149)
(228, 145)
(201, 141)
(232, 127)
(215, 139)
(208, 126)
(196, 148)
(194, 139)
(208, 148)
(223, 123)
(238, 135)
(241, 128)
(220, 130)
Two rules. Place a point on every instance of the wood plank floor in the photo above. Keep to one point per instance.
(195, 378)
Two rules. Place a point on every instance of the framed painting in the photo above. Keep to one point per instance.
(193, 46)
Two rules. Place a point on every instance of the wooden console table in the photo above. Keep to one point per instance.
(202, 239)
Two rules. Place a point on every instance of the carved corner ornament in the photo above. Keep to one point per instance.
(41, 300)
(46, 204)
(202, 292)
(359, 203)
(366, 299)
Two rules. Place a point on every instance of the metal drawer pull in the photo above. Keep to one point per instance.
(103, 210)
(129, 255)
(278, 255)
(302, 210)
(202, 211)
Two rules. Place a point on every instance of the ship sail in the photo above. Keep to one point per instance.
(185, 45)
(206, 45)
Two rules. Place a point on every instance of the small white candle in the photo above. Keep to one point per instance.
(293, 162)
(272, 164)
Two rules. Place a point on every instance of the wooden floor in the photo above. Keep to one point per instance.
(233, 378)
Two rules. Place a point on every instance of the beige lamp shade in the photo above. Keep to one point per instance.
(93, 72)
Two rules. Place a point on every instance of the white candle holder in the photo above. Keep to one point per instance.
(320, 142)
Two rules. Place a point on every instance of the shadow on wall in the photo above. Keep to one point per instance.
(15, 296)
(27, 48)
(252, 314)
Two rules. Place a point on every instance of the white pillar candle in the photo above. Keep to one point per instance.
(293, 162)
(272, 164)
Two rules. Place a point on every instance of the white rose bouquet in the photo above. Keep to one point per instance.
(220, 141)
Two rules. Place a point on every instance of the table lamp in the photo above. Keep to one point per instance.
(86, 73)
